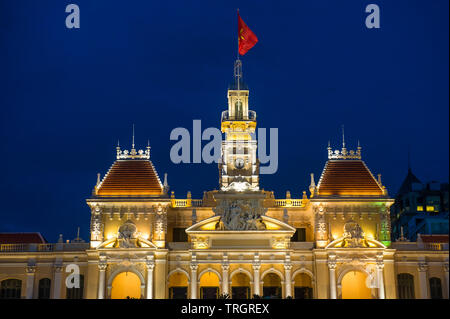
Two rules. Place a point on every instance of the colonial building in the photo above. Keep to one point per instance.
(240, 240)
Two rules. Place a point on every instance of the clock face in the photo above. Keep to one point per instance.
(239, 163)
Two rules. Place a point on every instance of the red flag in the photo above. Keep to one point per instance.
(247, 39)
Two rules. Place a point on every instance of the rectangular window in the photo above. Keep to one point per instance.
(430, 208)
(209, 292)
(420, 208)
(299, 235)
(178, 292)
(179, 235)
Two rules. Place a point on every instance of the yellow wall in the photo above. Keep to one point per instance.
(126, 284)
(354, 286)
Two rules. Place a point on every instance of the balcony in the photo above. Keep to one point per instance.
(244, 117)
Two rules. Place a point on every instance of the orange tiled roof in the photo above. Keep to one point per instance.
(347, 178)
(22, 238)
(132, 177)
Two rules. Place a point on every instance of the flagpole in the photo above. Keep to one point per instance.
(238, 77)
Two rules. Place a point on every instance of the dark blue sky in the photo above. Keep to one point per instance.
(66, 96)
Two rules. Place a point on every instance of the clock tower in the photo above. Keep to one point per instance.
(239, 166)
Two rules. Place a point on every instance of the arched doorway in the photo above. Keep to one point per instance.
(240, 286)
(178, 286)
(354, 286)
(209, 285)
(126, 285)
(303, 286)
(272, 286)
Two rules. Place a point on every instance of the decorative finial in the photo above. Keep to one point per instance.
(98, 178)
(312, 185)
(165, 181)
(379, 179)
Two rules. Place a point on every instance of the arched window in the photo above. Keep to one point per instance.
(10, 289)
(405, 286)
(76, 293)
(435, 288)
(44, 288)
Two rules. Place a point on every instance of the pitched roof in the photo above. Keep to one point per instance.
(347, 178)
(22, 238)
(131, 177)
(407, 183)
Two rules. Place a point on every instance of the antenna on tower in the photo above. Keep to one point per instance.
(343, 136)
(133, 138)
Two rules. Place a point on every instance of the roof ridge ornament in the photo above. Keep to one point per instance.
(344, 154)
(133, 154)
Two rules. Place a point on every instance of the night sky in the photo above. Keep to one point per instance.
(68, 95)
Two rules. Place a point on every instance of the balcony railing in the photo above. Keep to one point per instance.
(244, 117)
(289, 203)
(12, 248)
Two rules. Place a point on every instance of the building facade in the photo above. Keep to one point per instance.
(239, 240)
(420, 208)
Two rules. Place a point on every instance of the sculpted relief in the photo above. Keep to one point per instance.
(240, 214)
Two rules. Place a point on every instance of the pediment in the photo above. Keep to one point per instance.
(205, 234)
(365, 243)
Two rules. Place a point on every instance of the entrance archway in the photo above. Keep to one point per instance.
(303, 286)
(178, 285)
(240, 286)
(272, 286)
(126, 285)
(354, 286)
(209, 285)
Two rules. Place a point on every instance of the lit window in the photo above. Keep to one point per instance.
(420, 208)
(430, 208)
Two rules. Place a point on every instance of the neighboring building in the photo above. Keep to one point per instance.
(419, 208)
(238, 240)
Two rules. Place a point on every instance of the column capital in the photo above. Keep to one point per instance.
(422, 266)
(30, 270)
(194, 266)
(58, 268)
(225, 266)
(446, 267)
(331, 264)
(102, 266)
(287, 266)
(380, 264)
(256, 266)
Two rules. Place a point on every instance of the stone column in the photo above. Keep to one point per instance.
(332, 278)
(256, 288)
(194, 267)
(30, 281)
(150, 266)
(380, 279)
(225, 281)
(102, 265)
(288, 280)
(423, 282)
(57, 282)
(446, 294)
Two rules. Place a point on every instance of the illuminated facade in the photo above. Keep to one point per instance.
(238, 240)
